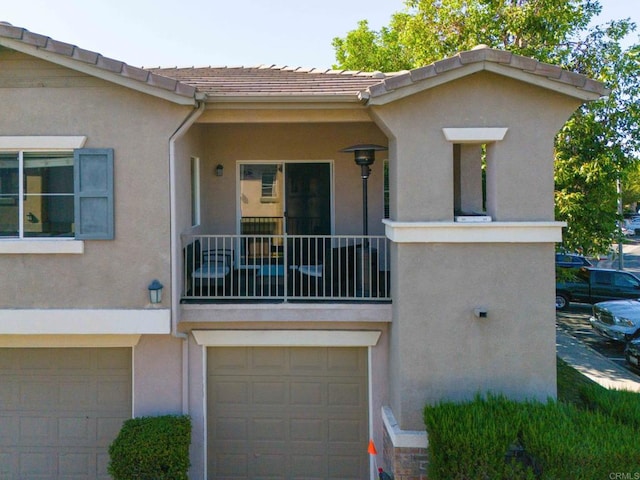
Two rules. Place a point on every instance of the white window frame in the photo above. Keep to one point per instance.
(51, 245)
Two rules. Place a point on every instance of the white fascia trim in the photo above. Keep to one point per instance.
(403, 438)
(541, 81)
(45, 142)
(489, 232)
(45, 246)
(85, 321)
(286, 338)
(68, 341)
(475, 135)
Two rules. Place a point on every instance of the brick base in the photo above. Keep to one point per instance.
(404, 463)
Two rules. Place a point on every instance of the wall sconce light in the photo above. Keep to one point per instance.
(219, 170)
(480, 312)
(155, 291)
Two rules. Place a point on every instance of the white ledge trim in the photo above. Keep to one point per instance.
(475, 135)
(42, 246)
(286, 338)
(85, 321)
(403, 438)
(489, 232)
(45, 143)
(68, 341)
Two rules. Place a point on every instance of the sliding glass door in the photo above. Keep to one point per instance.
(280, 198)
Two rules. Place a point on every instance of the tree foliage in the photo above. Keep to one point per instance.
(599, 143)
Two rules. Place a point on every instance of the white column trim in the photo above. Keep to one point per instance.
(286, 338)
(475, 134)
(489, 232)
(85, 321)
(44, 142)
(403, 438)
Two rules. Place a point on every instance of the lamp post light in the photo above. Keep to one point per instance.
(364, 155)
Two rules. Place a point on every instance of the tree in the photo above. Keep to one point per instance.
(598, 143)
(598, 146)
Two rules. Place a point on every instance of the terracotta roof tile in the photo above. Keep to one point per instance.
(9, 31)
(61, 48)
(86, 56)
(34, 39)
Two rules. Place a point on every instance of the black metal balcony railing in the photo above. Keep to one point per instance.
(285, 267)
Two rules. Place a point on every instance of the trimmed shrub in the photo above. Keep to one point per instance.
(151, 448)
(476, 441)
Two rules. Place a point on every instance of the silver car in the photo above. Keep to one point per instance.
(617, 320)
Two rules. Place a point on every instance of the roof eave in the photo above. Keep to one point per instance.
(287, 99)
(410, 88)
(95, 71)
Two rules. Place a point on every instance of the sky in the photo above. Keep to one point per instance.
(185, 33)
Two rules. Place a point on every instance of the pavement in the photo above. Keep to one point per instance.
(594, 365)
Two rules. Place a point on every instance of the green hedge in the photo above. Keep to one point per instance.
(471, 440)
(151, 448)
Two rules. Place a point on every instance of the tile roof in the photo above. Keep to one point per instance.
(265, 82)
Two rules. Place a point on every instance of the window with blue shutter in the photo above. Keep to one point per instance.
(93, 182)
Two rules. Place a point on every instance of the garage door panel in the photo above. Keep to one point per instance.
(268, 429)
(60, 411)
(231, 392)
(229, 465)
(113, 394)
(305, 408)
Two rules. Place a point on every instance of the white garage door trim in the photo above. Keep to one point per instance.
(286, 338)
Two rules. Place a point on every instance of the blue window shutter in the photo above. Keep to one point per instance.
(93, 180)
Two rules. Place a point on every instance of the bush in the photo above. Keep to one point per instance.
(151, 448)
(477, 440)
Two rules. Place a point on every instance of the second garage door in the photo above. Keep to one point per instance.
(287, 413)
(60, 409)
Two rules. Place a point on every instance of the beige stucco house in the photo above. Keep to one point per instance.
(291, 330)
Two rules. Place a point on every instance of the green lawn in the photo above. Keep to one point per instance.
(569, 383)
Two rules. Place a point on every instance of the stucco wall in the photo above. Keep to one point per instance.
(50, 100)
(441, 350)
(157, 376)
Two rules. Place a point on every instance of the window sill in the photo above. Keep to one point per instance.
(41, 246)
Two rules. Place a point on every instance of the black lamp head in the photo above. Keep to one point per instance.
(365, 153)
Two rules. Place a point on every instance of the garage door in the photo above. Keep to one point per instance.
(60, 409)
(287, 413)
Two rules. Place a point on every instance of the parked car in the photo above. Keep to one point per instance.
(632, 354)
(633, 224)
(571, 260)
(617, 320)
(593, 285)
